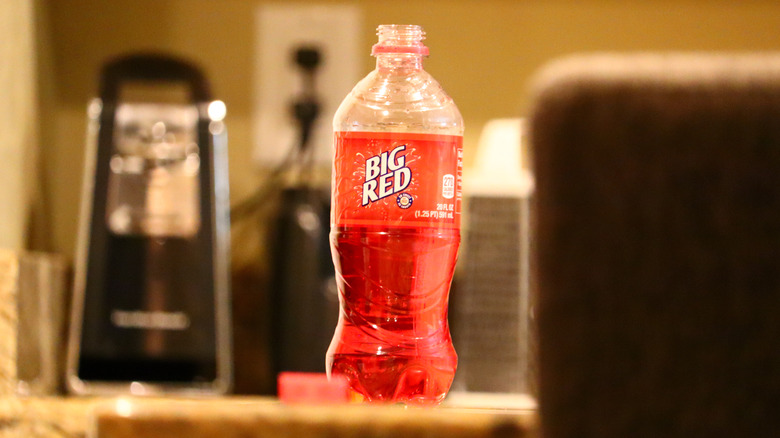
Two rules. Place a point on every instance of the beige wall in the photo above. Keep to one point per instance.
(18, 114)
(483, 52)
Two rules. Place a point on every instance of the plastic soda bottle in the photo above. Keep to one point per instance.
(395, 226)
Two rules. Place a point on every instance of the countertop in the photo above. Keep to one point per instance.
(250, 417)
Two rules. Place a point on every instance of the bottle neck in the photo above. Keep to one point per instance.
(400, 62)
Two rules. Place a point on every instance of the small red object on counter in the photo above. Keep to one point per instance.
(312, 388)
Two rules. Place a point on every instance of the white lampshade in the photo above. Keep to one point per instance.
(498, 168)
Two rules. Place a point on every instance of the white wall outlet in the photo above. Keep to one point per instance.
(281, 30)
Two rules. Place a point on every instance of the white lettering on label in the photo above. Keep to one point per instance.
(448, 186)
(386, 174)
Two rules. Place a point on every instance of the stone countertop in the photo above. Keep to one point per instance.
(46, 417)
(250, 417)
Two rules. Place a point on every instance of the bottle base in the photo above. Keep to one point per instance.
(422, 381)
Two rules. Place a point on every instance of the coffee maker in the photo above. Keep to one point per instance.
(151, 293)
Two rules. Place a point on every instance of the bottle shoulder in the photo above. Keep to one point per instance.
(409, 102)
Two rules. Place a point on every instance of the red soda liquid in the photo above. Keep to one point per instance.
(393, 341)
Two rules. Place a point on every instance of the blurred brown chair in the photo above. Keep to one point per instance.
(658, 245)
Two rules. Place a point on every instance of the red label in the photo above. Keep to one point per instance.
(397, 179)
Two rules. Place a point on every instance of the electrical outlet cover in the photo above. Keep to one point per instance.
(281, 30)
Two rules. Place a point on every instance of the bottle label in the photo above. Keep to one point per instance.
(397, 179)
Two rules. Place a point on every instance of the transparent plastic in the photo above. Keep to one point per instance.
(392, 341)
(399, 95)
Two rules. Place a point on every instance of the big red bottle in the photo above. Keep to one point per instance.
(395, 226)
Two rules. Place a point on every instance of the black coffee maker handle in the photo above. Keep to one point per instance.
(151, 67)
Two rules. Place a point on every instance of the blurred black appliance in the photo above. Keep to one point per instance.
(151, 295)
(303, 296)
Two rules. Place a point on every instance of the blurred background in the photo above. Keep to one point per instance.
(484, 53)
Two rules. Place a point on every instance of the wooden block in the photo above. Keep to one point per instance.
(249, 418)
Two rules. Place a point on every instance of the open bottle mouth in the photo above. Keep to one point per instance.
(400, 38)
